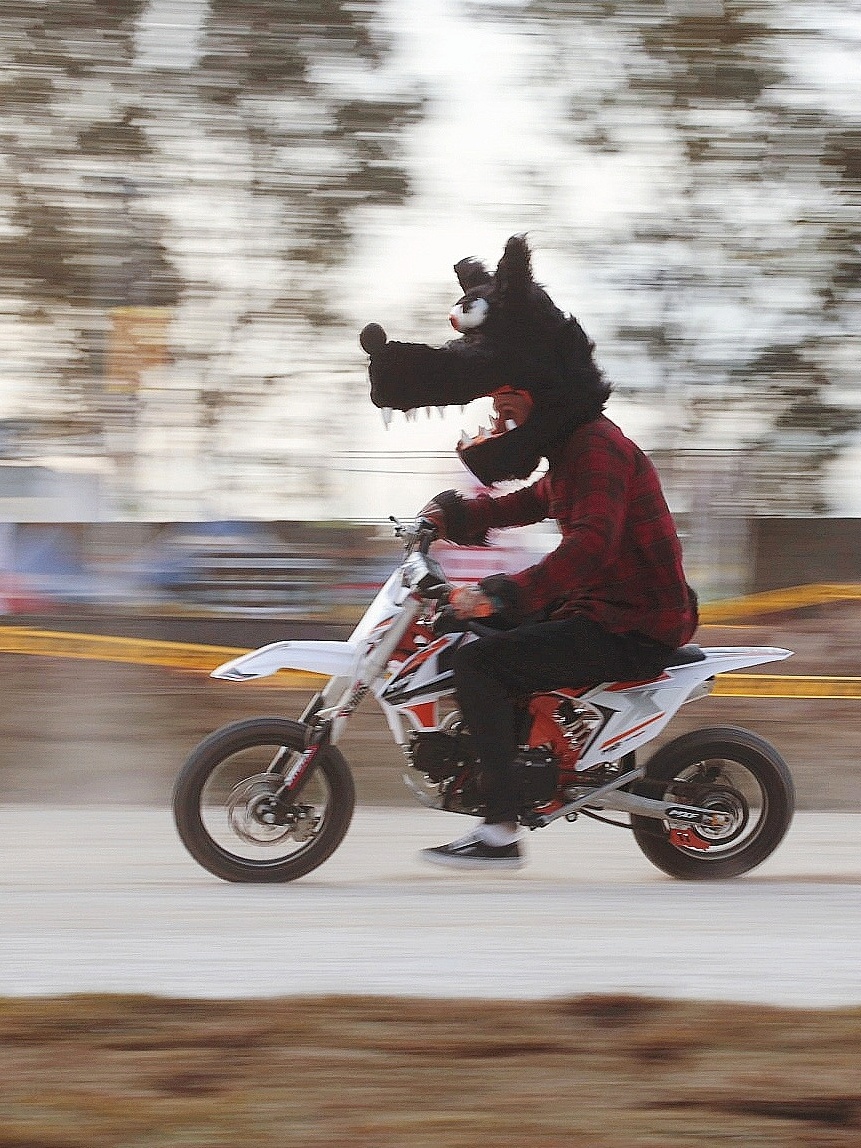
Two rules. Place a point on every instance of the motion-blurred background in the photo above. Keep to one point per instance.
(202, 201)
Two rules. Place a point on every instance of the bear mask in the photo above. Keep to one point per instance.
(516, 345)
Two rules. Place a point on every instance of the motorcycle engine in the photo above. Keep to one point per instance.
(537, 774)
(439, 754)
(447, 759)
(564, 725)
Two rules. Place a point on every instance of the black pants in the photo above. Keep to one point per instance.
(492, 672)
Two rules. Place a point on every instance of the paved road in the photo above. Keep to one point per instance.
(107, 900)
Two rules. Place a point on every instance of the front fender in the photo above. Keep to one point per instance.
(332, 659)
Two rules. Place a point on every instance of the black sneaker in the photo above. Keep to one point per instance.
(473, 853)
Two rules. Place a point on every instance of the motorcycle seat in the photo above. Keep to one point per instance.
(685, 655)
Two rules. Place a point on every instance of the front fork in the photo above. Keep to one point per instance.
(295, 777)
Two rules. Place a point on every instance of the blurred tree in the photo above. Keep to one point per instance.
(225, 185)
(277, 84)
(67, 135)
(757, 213)
(297, 131)
(742, 271)
(294, 87)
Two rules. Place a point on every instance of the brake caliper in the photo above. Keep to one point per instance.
(686, 839)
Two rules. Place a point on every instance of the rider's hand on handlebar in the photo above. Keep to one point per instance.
(471, 602)
(434, 513)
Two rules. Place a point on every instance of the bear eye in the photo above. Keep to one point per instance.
(468, 314)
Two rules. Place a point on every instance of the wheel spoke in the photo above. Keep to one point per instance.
(243, 816)
(234, 817)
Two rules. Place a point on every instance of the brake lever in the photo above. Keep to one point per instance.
(422, 533)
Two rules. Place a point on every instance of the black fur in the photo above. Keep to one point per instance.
(525, 342)
(457, 528)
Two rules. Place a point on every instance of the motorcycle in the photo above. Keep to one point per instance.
(269, 799)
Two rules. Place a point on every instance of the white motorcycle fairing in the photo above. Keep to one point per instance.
(410, 685)
(332, 659)
(631, 713)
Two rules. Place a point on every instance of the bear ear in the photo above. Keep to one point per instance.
(470, 273)
(514, 272)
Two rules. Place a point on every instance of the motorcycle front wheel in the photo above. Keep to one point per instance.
(726, 769)
(231, 817)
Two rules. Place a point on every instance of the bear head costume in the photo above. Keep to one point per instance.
(516, 345)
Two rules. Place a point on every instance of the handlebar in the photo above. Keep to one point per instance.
(427, 579)
(417, 536)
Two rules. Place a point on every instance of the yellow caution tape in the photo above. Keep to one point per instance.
(137, 651)
(785, 686)
(776, 601)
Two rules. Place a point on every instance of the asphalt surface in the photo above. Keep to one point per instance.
(107, 900)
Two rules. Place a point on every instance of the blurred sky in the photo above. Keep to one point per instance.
(488, 109)
(485, 109)
(487, 160)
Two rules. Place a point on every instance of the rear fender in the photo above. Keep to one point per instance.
(697, 677)
(720, 659)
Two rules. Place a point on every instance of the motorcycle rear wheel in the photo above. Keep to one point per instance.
(227, 787)
(722, 768)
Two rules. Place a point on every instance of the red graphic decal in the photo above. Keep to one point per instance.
(618, 686)
(628, 732)
(687, 839)
(425, 714)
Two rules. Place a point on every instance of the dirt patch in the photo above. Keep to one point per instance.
(607, 1072)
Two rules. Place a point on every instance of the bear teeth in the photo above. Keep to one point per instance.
(387, 414)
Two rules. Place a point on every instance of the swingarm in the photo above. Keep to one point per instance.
(614, 796)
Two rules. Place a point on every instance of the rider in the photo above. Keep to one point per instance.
(611, 602)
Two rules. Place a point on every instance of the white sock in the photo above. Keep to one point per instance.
(502, 833)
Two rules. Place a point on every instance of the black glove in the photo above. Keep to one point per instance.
(447, 511)
(434, 513)
(506, 596)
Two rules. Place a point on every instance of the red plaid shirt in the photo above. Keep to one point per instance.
(619, 561)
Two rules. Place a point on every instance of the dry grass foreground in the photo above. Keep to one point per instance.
(602, 1071)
